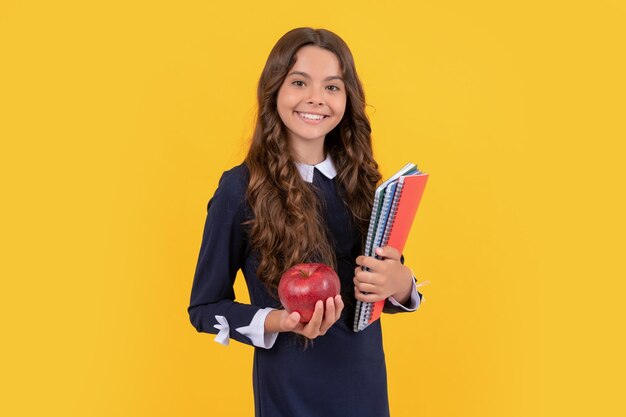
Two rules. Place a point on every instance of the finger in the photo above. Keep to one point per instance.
(364, 261)
(368, 298)
(289, 321)
(371, 263)
(366, 278)
(360, 272)
(338, 306)
(293, 318)
(329, 315)
(388, 252)
(358, 280)
(366, 288)
(313, 326)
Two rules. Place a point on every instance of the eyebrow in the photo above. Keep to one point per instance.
(305, 75)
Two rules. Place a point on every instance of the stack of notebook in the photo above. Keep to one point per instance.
(395, 204)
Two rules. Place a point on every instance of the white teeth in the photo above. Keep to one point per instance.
(311, 116)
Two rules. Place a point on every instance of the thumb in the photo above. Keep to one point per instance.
(388, 252)
(290, 321)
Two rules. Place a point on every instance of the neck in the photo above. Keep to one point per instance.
(309, 152)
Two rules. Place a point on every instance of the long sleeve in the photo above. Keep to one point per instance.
(212, 307)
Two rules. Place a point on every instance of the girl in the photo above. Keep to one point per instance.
(303, 194)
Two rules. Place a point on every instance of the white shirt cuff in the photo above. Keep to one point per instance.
(255, 331)
(223, 336)
(414, 301)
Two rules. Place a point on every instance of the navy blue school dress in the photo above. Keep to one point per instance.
(341, 373)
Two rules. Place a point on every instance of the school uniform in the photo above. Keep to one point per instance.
(341, 373)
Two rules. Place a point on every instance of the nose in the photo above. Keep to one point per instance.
(316, 101)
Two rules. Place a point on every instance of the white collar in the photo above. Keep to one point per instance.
(326, 167)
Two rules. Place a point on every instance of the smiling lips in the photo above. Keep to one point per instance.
(311, 117)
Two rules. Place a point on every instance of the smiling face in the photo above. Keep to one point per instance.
(312, 99)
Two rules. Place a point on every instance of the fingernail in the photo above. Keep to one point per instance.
(379, 250)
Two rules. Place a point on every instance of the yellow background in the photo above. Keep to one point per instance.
(117, 119)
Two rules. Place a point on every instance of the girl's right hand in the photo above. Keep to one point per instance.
(321, 321)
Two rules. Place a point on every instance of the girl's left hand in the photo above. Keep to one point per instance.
(387, 277)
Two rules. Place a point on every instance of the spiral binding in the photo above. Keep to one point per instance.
(368, 250)
(390, 192)
(394, 209)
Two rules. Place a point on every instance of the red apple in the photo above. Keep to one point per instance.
(302, 285)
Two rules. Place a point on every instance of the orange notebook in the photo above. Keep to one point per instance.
(397, 224)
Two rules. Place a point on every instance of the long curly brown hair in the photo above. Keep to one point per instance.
(287, 227)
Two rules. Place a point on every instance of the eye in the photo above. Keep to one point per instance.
(298, 83)
(333, 88)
